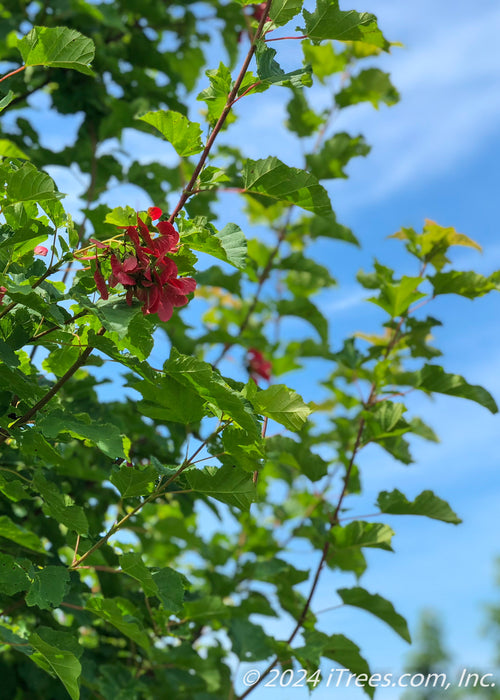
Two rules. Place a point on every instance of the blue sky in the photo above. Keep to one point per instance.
(434, 155)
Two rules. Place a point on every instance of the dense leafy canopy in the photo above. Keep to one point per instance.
(144, 532)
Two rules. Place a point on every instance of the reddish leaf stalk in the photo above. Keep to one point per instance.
(9, 75)
(282, 38)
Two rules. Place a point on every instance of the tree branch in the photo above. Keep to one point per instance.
(220, 122)
(53, 391)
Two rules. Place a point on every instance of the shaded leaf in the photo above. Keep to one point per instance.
(59, 506)
(170, 588)
(335, 155)
(132, 565)
(48, 587)
(426, 503)
(57, 661)
(227, 484)
(15, 533)
(13, 574)
(371, 85)
(105, 436)
(121, 614)
(305, 309)
(134, 481)
(433, 378)
(378, 606)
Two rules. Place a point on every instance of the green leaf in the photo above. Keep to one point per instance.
(427, 504)
(228, 244)
(234, 244)
(121, 216)
(329, 227)
(282, 11)
(303, 120)
(329, 22)
(269, 70)
(185, 136)
(335, 155)
(433, 378)
(48, 587)
(206, 608)
(215, 277)
(227, 484)
(208, 383)
(466, 284)
(134, 481)
(59, 506)
(216, 94)
(21, 536)
(323, 59)
(305, 309)
(132, 565)
(305, 276)
(378, 606)
(272, 178)
(362, 534)
(170, 585)
(57, 47)
(105, 436)
(27, 184)
(168, 400)
(283, 405)
(337, 648)
(13, 574)
(115, 315)
(387, 415)
(250, 642)
(432, 244)
(6, 100)
(295, 456)
(8, 149)
(242, 449)
(57, 661)
(121, 614)
(397, 298)
(371, 85)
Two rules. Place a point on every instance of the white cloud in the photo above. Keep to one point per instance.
(450, 102)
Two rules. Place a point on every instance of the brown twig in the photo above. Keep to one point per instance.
(53, 391)
(220, 122)
(334, 519)
(159, 491)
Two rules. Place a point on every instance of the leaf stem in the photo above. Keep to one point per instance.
(9, 75)
(282, 38)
